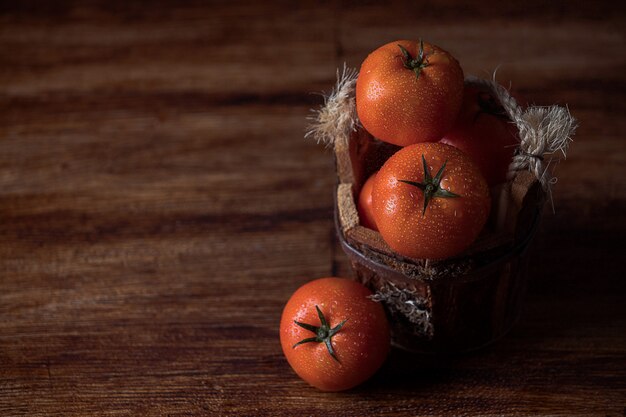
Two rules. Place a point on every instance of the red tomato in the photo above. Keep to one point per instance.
(485, 133)
(430, 201)
(408, 92)
(333, 335)
(364, 206)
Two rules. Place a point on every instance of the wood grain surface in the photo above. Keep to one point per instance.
(159, 205)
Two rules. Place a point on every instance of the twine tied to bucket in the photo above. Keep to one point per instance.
(543, 130)
(337, 117)
(409, 304)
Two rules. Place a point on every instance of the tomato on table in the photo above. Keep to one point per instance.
(364, 204)
(333, 335)
(430, 201)
(409, 92)
(485, 133)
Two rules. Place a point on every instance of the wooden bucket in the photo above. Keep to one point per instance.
(452, 305)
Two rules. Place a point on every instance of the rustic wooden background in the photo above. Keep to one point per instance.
(159, 204)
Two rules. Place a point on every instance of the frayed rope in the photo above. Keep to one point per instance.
(543, 130)
(337, 117)
(407, 303)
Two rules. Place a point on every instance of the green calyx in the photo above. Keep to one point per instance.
(416, 64)
(323, 333)
(431, 186)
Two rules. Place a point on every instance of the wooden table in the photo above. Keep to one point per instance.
(159, 205)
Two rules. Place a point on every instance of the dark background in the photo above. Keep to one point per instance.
(159, 205)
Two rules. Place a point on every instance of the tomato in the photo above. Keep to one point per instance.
(485, 133)
(409, 92)
(364, 205)
(430, 201)
(333, 335)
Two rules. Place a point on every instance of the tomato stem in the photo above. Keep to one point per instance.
(323, 333)
(431, 187)
(415, 64)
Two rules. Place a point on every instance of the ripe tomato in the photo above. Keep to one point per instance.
(333, 335)
(364, 205)
(485, 133)
(409, 92)
(430, 201)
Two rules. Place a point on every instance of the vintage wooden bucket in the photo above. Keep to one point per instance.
(452, 305)
(468, 301)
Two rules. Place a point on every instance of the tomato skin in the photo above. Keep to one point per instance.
(361, 345)
(396, 106)
(364, 205)
(485, 134)
(448, 225)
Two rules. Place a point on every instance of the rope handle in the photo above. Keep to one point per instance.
(543, 130)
